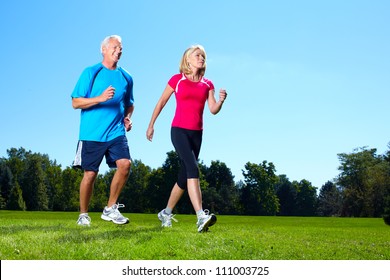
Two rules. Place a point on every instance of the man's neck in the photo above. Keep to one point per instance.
(111, 66)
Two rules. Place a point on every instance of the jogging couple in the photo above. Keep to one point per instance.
(104, 93)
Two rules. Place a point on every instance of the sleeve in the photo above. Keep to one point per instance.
(129, 98)
(211, 85)
(81, 88)
(174, 80)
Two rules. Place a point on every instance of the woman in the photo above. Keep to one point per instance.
(192, 90)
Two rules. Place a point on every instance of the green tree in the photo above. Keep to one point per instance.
(378, 189)
(16, 201)
(364, 180)
(157, 190)
(258, 196)
(6, 181)
(329, 200)
(67, 197)
(306, 202)
(134, 194)
(33, 184)
(386, 156)
(53, 180)
(2, 202)
(16, 161)
(221, 192)
(287, 195)
(16, 164)
(386, 211)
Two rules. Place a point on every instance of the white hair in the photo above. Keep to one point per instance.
(107, 40)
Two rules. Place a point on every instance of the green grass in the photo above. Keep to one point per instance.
(55, 236)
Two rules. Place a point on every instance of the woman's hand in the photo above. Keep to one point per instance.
(149, 133)
(222, 95)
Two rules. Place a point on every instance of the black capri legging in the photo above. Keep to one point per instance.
(187, 145)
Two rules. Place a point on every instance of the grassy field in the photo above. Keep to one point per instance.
(55, 236)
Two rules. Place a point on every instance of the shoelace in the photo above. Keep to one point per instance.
(82, 217)
(119, 206)
(206, 214)
(171, 217)
(116, 211)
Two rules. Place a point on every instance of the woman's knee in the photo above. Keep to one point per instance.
(193, 172)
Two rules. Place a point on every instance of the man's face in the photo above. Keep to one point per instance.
(113, 50)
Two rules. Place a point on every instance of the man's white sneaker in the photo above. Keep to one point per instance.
(166, 219)
(206, 220)
(114, 215)
(84, 220)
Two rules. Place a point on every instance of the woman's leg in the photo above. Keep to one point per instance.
(175, 196)
(195, 194)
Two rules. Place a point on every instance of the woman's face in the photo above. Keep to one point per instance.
(197, 59)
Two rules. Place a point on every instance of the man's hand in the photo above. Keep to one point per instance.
(128, 123)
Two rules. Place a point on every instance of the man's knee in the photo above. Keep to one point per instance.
(89, 177)
(123, 165)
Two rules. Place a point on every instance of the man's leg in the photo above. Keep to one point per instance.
(86, 189)
(119, 180)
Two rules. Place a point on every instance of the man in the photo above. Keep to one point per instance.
(104, 93)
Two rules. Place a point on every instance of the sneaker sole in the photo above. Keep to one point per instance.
(108, 219)
(209, 223)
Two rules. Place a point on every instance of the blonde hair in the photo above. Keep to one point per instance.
(184, 66)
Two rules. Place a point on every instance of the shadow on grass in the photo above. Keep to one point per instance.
(81, 235)
(64, 233)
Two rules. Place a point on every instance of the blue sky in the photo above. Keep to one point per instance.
(306, 79)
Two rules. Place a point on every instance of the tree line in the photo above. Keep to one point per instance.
(34, 182)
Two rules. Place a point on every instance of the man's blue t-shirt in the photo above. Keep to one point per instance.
(104, 121)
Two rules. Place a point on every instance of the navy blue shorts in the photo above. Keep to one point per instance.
(89, 154)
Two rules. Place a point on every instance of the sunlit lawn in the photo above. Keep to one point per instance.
(55, 236)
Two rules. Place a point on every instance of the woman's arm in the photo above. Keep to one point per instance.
(157, 110)
(215, 106)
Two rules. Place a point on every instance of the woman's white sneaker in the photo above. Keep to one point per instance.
(166, 219)
(206, 220)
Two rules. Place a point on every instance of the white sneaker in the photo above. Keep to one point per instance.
(166, 219)
(84, 220)
(114, 215)
(206, 220)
